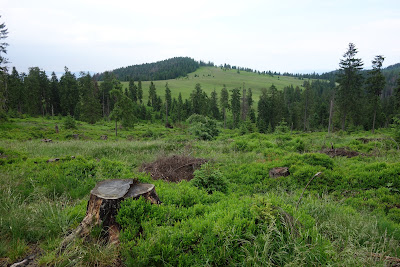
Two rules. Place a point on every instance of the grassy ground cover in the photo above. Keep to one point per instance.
(232, 213)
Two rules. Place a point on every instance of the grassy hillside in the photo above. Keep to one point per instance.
(212, 78)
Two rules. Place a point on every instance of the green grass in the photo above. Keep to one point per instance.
(212, 78)
(346, 216)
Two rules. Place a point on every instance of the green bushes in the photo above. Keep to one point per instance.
(210, 179)
(248, 231)
(231, 214)
(10, 156)
(396, 128)
(203, 127)
(69, 122)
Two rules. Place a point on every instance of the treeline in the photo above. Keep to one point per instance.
(162, 70)
(356, 99)
(36, 94)
(356, 103)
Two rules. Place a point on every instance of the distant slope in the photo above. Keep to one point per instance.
(162, 70)
(212, 78)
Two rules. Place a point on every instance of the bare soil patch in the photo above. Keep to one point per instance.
(174, 168)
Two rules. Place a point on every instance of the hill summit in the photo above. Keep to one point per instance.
(162, 70)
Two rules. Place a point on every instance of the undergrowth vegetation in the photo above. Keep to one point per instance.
(231, 213)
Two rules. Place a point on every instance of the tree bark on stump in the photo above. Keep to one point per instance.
(104, 203)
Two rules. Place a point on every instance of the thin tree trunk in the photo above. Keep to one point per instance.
(116, 128)
(330, 117)
(344, 121)
(224, 118)
(305, 109)
(244, 105)
(108, 106)
(104, 115)
(166, 113)
(373, 121)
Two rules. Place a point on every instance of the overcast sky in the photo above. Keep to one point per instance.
(284, 35)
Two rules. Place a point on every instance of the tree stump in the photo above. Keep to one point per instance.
(278, 172)
(104, 203)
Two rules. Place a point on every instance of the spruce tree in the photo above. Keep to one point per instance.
(224, 101)
(179, 108)
(123, 109)
(37, 92)
(274, 107)
(235, 106)
(90, 108)
(168, 102)
(263, 112)
(153, 99)
(16, 92)
(140, 92)
(375, 84)
(198, 100)
(55, 94)
(68, 93)
(133, 91)
(214, 105)
(397, 95)
(350, 82)
(105, 88)
(3, 70)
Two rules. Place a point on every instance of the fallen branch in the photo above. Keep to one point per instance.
(392, 260)
(187, 164)
(312, 178)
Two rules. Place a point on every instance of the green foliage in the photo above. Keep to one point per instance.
(350, 83)
(69, 122)
(396, 129)
(203, 127)
(263, 210)
(123, 109)
(162, 70)
(10, 156)
(282, 127)
(249, 219)
(210, 179)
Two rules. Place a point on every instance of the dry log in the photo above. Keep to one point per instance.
(104, 203)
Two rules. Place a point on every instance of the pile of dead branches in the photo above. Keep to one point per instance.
(174, 168)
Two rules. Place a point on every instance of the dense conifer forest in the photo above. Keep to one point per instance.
(162, 70)
(305, 107)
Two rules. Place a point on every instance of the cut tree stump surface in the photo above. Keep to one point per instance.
(112, 189)
(104, 203)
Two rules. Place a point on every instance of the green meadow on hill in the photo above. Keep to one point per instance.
(211, 78)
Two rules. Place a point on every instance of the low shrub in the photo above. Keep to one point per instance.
(69, 122)
(203, 127)
(210, 179)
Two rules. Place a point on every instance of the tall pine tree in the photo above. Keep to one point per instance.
(375, 84)
(350, 82)
(224, 102)
(235, 106)
(69, 93)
